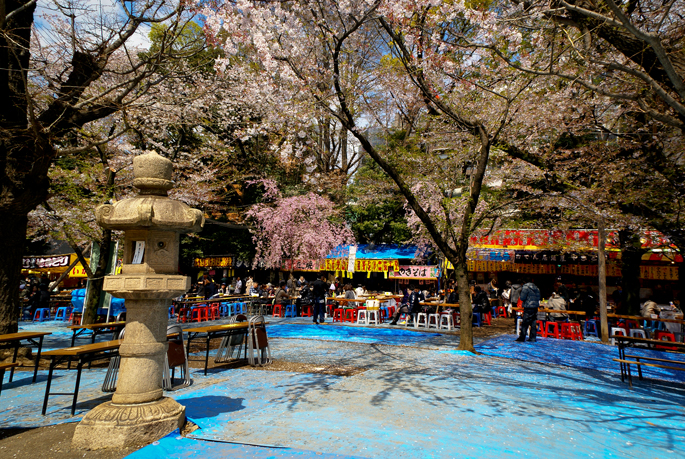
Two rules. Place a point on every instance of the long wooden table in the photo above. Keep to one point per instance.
(85, 354)
(555, 311)
(16, 338)
(638, 318)
(214, 331)
(95, 329)
(623, 342)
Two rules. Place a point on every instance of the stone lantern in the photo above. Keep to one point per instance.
(152, 224)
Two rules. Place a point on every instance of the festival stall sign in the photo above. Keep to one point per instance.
(330, 264)
(578, 239)
(79, 270)
(495, 255)
(301, 265)
(669, 273)
(47, 263)
(376, 266)
(213, 262)
(415, 272)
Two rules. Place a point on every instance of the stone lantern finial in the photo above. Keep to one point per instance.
(152, 174)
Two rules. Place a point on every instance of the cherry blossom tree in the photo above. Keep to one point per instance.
(63, 71)
(307, 227)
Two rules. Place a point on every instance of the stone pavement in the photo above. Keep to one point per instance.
(415, 397)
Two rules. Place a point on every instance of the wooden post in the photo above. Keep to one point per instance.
(602, 280)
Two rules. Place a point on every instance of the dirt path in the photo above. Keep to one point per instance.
(52, 442)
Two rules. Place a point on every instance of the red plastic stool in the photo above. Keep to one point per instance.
(665, 336)
(338, 315)
(391, 311)
(214, 313)
(307, 310)
(501, 311)
(552, 330)
(350, 315)
(182, 315)
(195, 315)
(204, 313)
(571, 330)
(487, 318)
(540, 324)
(278, 310)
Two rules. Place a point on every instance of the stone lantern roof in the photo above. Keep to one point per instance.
(152, 208)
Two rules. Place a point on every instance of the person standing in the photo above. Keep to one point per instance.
(530, 296)
(319, 288)
(506, 296)
(238, 286)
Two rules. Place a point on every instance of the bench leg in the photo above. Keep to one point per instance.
(47, 386)
(14, 359)
(639, 369)
(40, 348)
(2, 376)
(630, 375)
(78, 382)
(207, 354)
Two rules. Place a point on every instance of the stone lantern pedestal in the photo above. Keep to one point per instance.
(139, 413)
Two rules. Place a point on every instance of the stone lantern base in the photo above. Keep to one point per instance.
(117, 426)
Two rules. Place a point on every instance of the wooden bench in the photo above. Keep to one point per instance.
(85, 354)
(16, 338)
(639, 365)
(3, 367)
(95, 329)
(624, 342)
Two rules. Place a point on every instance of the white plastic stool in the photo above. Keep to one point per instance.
(372, 317)
(419, 323)
(361, 317)
(434, 320)
(616, 331)
(637, 333)
(446, 322)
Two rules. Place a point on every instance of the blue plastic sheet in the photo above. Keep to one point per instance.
(577, 354)
(392, 336)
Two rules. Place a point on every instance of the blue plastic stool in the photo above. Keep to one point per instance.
(240, 308)
(62, 313)
(290, 310)
(171, 312)
(591, 328)
(477, 319)
(223, 309)
(41, 315)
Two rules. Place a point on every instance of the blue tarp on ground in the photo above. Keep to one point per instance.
(391, 336)
(577, 354)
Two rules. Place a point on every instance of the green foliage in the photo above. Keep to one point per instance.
(381, 219)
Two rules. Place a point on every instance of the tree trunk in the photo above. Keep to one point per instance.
(465, 309)
(631, 256)
(12, 242)
(602, 281)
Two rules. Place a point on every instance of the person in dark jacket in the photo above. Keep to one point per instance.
(515, 292)
(413, 305)
(530, 296)
(319, 289)
(481, 303)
